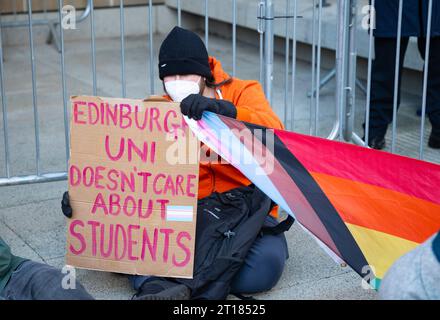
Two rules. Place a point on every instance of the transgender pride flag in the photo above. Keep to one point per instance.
(365, 207)
(180, 213)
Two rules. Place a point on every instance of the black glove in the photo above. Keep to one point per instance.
(65, 205)
(194, 105)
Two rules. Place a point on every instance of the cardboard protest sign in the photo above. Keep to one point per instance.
(133, 194)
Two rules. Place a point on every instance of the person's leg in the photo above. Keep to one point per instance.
(382, 84)
(137, 281)
(433, 90)
(263, 265)
(38, 281)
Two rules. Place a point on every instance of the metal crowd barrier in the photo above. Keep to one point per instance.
(346, 108)
(266, 29)
(51, 23)
(39, 176)
(344, 71)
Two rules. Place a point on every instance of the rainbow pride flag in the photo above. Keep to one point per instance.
(364, 207)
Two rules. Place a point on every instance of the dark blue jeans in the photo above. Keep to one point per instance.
(262, 268)
(38, 281)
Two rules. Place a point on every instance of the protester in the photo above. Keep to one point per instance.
(416, 275)
(23, 279)
(414, 24)
(199, 82)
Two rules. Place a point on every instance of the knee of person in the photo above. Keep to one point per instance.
(264, 271)
(274, 261)
(276, 247)
(273, 273)
(256, 280)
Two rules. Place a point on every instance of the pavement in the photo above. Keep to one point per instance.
(32, 223)
(30, 217)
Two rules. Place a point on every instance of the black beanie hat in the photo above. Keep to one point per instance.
(183, 52)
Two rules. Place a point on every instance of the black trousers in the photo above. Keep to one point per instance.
(382, 83)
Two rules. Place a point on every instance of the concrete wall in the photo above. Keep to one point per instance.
(220, 19)
(220, 13)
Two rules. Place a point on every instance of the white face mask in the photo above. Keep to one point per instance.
(180, 89)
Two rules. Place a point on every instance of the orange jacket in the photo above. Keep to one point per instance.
(252, 106)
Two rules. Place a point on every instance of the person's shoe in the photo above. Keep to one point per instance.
(162, 290)
(434, 141)
(377, 143)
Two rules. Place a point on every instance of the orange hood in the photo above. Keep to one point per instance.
(217, 71)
